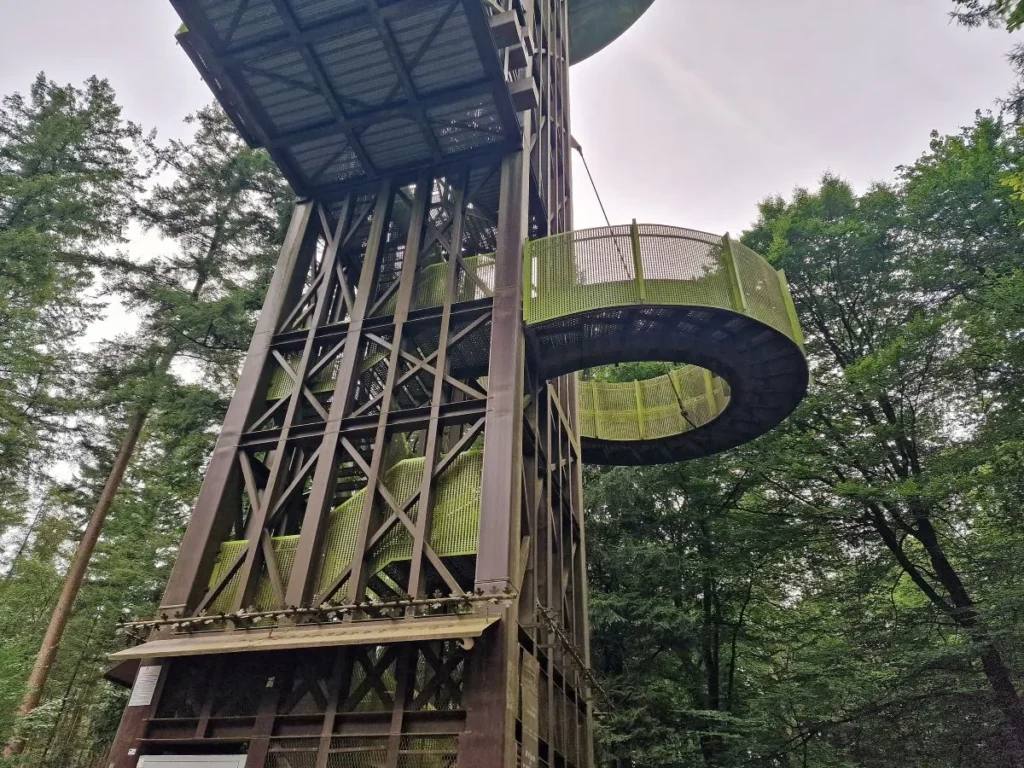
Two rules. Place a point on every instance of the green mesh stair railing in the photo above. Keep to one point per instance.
(455, 526)
(281, 383)
(684, 399)
(429, 293)
(453, 534)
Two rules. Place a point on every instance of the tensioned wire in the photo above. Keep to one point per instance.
(579, 148)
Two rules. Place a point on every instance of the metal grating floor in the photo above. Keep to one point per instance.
(344, 92)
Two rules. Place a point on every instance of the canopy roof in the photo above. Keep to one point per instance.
(593, 24)
(344, 93)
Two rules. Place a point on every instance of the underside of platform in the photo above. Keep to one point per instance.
(345, 93)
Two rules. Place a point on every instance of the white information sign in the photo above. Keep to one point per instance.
(193, 761)
(145, 686)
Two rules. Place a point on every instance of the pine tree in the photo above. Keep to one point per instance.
(223, 210)
(67, 182)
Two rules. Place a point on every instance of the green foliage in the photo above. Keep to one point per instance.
(67, 183)
(843, 592)
(995, 12)
(220, 209)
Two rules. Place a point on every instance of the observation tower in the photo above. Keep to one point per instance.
(386, 565)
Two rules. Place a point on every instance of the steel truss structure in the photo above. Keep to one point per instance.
(391, 342)
(386, 567)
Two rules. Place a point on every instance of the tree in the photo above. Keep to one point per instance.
(224, 210)
(881, 282)
(843, 591)
(994, 12)
(67, 182)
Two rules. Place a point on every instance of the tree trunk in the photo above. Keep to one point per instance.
(79, 565)
(70, 687)
(961, 609)
(710, 651)
(999, 676)
(25, 541)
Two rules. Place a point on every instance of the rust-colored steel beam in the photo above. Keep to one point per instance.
(391, 343)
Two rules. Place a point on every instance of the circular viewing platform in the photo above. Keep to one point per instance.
(655, 293)
(595, 24)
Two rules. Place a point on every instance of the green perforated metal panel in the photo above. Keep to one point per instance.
(265, 599)
(650, 264)
(454, 532)
(762, 289)
(475, 281)
(281, 383)
(684, 399)
(455, 525)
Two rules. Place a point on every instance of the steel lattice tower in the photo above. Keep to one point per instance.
(386, 563)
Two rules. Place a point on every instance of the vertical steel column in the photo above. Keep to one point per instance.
(492, 701)
(124, 752)
(259, 745)
(265, 506)
(221, 489)
(306, 568)
(406, 283)
(499, 518)
(432, 443)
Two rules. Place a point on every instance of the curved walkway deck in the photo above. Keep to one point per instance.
(653, 293)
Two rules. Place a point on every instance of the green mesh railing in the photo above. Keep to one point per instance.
(594, 269)
(454, 531)
(455, 525)
(475, 281)
(684, 399)
(281, 383)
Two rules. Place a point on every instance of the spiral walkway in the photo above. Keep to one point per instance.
(649, 293)
(654, 293)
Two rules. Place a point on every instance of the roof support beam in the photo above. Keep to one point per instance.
(325, 31)
(317, 70)
(404, 77)
(362, 121)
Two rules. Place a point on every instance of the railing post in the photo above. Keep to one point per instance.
(739, 301)
(709, 392)
(589, 385)
(640, 415)
(794, 321)
(638, 265)
(673, 377)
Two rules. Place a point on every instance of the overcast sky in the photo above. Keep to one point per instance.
(704, 108)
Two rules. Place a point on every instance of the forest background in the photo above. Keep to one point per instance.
(843, 593)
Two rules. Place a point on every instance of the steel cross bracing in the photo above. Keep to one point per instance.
(388, 383)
